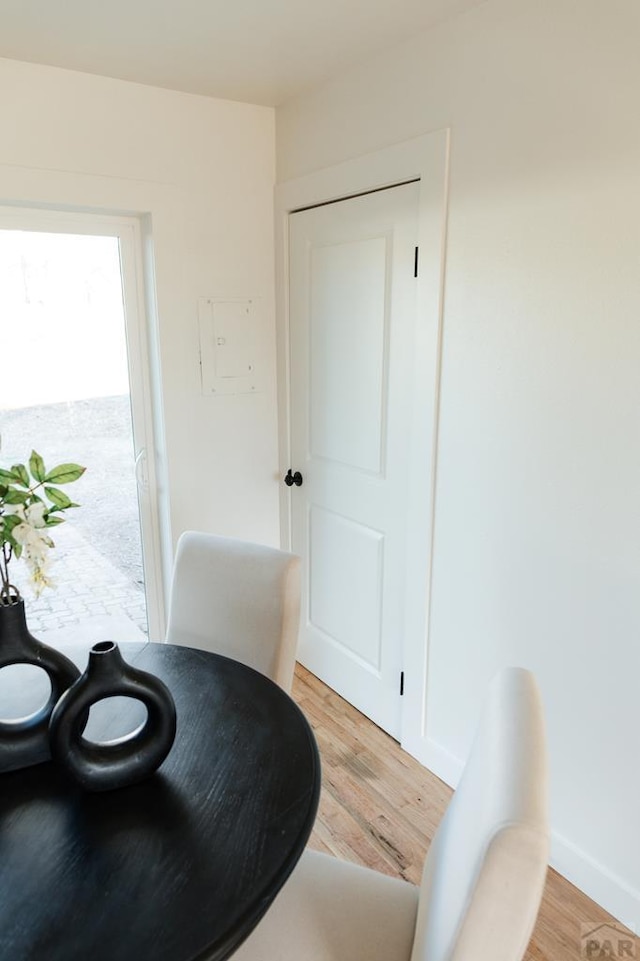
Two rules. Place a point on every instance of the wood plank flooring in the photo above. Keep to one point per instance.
(380, 807)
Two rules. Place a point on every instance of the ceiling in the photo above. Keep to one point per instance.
(258, 51)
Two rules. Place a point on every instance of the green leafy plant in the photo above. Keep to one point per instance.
(31, 502)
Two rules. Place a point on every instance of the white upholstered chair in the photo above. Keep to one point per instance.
(483, 876)
(238, 599)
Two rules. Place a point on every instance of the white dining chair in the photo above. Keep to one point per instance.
(483, 876)
(239, 599)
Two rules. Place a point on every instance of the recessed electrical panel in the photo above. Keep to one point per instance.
(229, 346)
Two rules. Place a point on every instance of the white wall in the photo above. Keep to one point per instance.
(537, 538)
(204, 170)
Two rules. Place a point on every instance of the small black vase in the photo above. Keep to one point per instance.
(25, 741)
(113, 764)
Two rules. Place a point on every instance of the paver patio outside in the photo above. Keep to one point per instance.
(87, 584)
(97, 560)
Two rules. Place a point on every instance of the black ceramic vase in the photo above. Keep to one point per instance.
(25, 741)
(112, 764)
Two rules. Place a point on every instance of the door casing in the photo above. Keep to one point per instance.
(427, 160)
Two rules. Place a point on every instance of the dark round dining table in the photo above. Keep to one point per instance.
(182, 866)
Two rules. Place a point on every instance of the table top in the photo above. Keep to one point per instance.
(182, 866)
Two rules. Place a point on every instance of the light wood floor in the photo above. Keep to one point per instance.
(380, 807)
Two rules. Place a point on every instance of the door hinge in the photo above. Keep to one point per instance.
(415, 262)
(401, 683)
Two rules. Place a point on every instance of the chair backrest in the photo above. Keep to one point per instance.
(238, 599)
(485, 869)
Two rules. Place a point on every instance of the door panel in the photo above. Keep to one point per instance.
(352, 306)
(345, 585)
(347, 358)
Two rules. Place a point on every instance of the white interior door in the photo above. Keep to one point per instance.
(352, 315)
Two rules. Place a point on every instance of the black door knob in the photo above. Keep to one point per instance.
(291, 479)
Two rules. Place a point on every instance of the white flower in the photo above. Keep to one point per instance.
(34, 514)
(15, 509)
(40, 577)
(35, 548)
(33, 542)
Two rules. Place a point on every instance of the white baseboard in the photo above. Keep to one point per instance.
(596, 881)
(441, 762)
(605, 888)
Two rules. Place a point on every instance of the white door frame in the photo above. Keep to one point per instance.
(425, 158)
(128, 231)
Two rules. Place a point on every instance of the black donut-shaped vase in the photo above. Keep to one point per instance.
(123, 761)
(25, 741)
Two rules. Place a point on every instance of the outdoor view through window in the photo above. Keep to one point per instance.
(64, 392)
